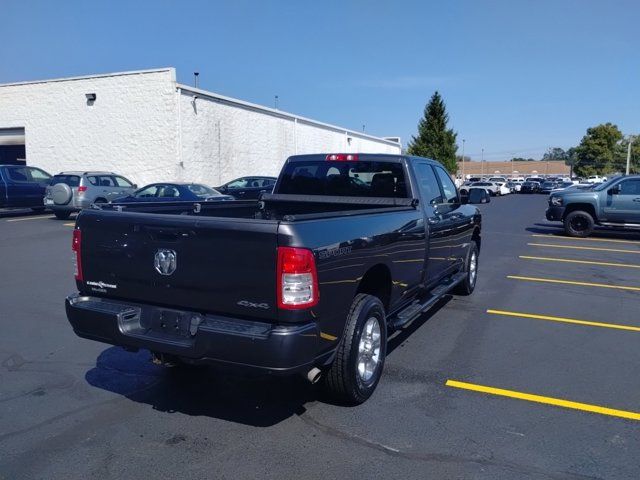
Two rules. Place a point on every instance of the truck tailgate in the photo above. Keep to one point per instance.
(221, 265)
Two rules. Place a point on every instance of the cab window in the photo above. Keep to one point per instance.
(427, 183)
(630, 187)
(448, 187)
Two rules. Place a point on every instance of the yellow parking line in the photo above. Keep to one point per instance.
(586, 262)
(558, 402)
(572, 282)
(574, 247)
(40, 217)
(550, 318)
(588, 239)
(72, 224)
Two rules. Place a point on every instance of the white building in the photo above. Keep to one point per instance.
(146, 126)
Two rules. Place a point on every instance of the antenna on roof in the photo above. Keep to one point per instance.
(195, 79)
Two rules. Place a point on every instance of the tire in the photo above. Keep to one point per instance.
(468, 285)
(62, 214)
(578, 224)
(344, 381)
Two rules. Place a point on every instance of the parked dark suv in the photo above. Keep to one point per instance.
(22, 186)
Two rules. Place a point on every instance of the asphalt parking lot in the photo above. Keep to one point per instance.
(533, 376)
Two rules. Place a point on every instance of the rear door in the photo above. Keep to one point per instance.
(624, 207)
(220, 265)
(19, 187)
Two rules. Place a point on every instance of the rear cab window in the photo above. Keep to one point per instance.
(358, 178)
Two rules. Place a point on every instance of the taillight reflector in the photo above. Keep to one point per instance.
(342, 157)
(76, 246)
(297, 279)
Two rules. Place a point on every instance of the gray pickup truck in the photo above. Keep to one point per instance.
(615, 203)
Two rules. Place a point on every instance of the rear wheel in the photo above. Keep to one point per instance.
(359, 361)
(467, 286)
(578, 224)
(62, 214)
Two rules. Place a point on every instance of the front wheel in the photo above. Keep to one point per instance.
(468, 285)
(357, 367)
(578, 224)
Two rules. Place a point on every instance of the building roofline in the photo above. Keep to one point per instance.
(88, 77)
(280, 113)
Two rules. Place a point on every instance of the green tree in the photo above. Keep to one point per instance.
(599, 151)
(434, 139)
(555, 154)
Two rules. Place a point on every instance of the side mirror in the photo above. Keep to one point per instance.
(477, 196)
(135, 185)
(615, 190)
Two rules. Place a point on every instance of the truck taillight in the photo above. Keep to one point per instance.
(76, 246)
(342, 157)
(297, 278)
(82, 189)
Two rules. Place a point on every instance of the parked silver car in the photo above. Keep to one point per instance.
(70, 192)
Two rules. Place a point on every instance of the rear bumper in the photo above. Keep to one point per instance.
(555, 214)
(196, 338)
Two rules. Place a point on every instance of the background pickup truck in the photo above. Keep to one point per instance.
(309, 279)
(615, 203)
(22, 186)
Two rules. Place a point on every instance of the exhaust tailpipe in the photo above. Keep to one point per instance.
(314, 375)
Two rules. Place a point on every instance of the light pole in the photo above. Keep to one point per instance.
(275, 102)
(463, 140)
(629, 154)
(482, 164)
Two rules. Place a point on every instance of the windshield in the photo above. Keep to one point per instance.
(202, 190)
(604, 185)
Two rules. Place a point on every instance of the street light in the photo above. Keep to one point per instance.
(482, 164)
(463, 140)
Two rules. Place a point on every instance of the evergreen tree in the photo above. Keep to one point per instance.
(434, 139)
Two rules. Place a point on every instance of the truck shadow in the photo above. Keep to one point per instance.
(259, 401)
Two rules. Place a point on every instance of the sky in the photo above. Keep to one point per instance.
(517, 77)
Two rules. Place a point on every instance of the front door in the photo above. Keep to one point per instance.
(624, 205)
(438, 261)
(459, 227)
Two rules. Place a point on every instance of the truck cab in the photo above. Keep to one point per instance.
(615, 203)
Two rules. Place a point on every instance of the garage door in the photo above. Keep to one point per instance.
(12, 146)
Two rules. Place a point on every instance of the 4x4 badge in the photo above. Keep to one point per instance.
(165, 261)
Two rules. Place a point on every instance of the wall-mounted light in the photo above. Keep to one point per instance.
(91, 97)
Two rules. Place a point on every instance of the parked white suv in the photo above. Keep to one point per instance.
(72, 191)
(596, 179)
